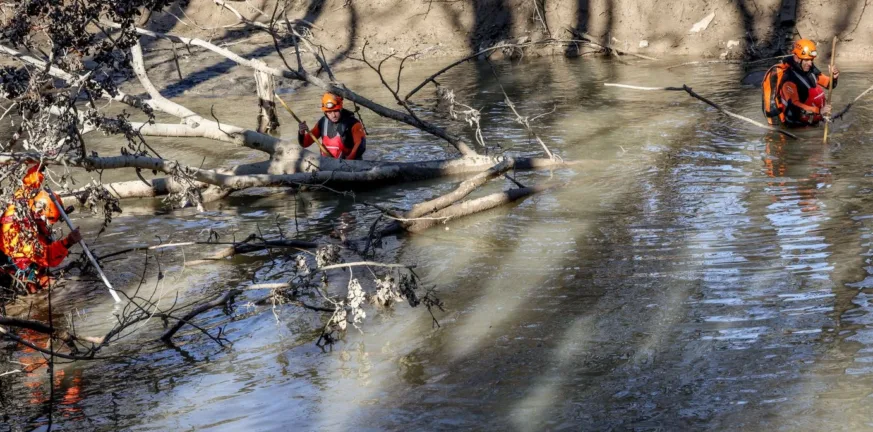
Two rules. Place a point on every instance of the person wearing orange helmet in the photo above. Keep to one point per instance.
(26, 237)
(798, 88)
(340, 132)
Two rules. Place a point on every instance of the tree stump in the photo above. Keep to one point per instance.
(268, 122)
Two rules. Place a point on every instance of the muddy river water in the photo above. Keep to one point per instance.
(695, 273)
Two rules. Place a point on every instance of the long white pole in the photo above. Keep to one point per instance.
(84, 246)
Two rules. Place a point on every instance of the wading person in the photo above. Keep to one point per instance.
(794, 90)
(26, 238)
(339, 131)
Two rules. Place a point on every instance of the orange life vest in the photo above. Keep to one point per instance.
(772, 85)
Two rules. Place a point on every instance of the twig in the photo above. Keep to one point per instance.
(705, 62)
(219, 301)
(485, 51)
(524, 121)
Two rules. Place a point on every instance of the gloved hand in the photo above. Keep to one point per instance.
(72, 238)
(826, 110)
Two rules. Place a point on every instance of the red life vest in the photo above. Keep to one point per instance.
(341, 143)
(816, 98)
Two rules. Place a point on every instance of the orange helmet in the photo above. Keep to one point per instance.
(33, 177)
(42, 204)
(331, 102)
(804, 49)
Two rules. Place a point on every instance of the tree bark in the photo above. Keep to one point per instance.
(462, 191)
(268, 122)
(467, 208)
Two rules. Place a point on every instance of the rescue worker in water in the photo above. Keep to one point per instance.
(26, 238)
(340, 132)
(794, 90)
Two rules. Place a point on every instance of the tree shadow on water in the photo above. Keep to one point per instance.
(492, 23)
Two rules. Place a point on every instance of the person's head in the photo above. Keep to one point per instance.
(45, 209)
(34, 177)
(331, 105)
(804, 53)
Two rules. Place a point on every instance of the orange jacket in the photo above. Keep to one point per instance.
(27, 242)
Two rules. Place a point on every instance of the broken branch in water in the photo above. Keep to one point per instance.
(849, 106)
(222, 300)
(708, 102)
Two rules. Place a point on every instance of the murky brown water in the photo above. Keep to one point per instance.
(702, 275)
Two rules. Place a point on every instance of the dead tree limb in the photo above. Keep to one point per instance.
(849, 106)
(467, 208)
(737, 116)
(708, 102)
(464, 189)
(250, 138)
(220, 301)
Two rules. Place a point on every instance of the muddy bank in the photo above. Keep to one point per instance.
(443, 31)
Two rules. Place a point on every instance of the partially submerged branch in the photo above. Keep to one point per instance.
(708, 102)
(467, 208)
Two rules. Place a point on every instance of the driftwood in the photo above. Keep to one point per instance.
(708, 102)
(467, 208)
(464, 189)
(373, 173)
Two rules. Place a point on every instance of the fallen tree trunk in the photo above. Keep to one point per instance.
(477, 205)
(459, 210)
(460, 192)
(376, 174)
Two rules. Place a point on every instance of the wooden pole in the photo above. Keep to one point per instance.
(830, 87)
(60, 207)
(314, 138)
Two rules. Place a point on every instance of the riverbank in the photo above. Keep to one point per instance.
(440, 32)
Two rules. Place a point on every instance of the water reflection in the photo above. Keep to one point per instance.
(702, 275)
